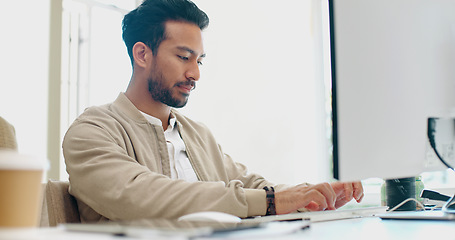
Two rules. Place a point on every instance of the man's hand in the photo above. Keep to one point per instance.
(323, 196)
(346, 192)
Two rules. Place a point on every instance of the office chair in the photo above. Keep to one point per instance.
(61, 206)
(7, 135)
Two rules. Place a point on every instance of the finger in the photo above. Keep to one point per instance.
(338, 187)
(341, 201)
(318, 201)
(359, 199)
(328, 193)
(358, 191)
(312, 206)
(348, 191)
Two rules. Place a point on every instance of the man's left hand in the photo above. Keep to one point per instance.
(346, 191)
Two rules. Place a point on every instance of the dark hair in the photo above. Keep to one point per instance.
(147, 22)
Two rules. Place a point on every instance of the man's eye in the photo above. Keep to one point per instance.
(200, 63)
(183, 58)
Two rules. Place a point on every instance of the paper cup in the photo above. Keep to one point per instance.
(20, 189)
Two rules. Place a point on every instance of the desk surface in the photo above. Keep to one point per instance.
(361, 228)
(376, 228)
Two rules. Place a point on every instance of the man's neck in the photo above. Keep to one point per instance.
(148, 105)
(163, 116)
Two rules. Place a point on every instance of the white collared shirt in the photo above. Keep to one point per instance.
(181, 167)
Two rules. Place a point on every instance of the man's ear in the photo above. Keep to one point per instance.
(141, 54)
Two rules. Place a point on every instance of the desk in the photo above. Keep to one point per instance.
(375, 228)
(361, 228)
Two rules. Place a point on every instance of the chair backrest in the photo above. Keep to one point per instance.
(61, 206)
(7, 135)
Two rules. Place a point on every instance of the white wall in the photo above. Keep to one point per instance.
(24, 71)
(261, 90)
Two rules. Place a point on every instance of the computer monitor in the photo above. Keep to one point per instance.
(393, 66)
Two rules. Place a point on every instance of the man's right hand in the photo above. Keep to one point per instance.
(312, 197)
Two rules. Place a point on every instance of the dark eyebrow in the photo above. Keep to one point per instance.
(190, 51)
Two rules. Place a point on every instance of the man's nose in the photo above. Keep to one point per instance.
(193, 72)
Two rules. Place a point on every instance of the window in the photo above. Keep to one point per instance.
(95, 63)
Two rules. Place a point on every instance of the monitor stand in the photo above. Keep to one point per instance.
(398, 191)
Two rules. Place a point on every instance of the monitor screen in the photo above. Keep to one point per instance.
(393, 67)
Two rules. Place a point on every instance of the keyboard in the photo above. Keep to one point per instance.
(419, 215)
(320, 216)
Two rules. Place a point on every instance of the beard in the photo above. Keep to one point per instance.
(163, 94)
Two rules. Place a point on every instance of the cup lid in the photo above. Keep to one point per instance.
(13, 160)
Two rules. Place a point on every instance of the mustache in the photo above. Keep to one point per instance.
(187, 83)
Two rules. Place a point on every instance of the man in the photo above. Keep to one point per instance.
(139, 158)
